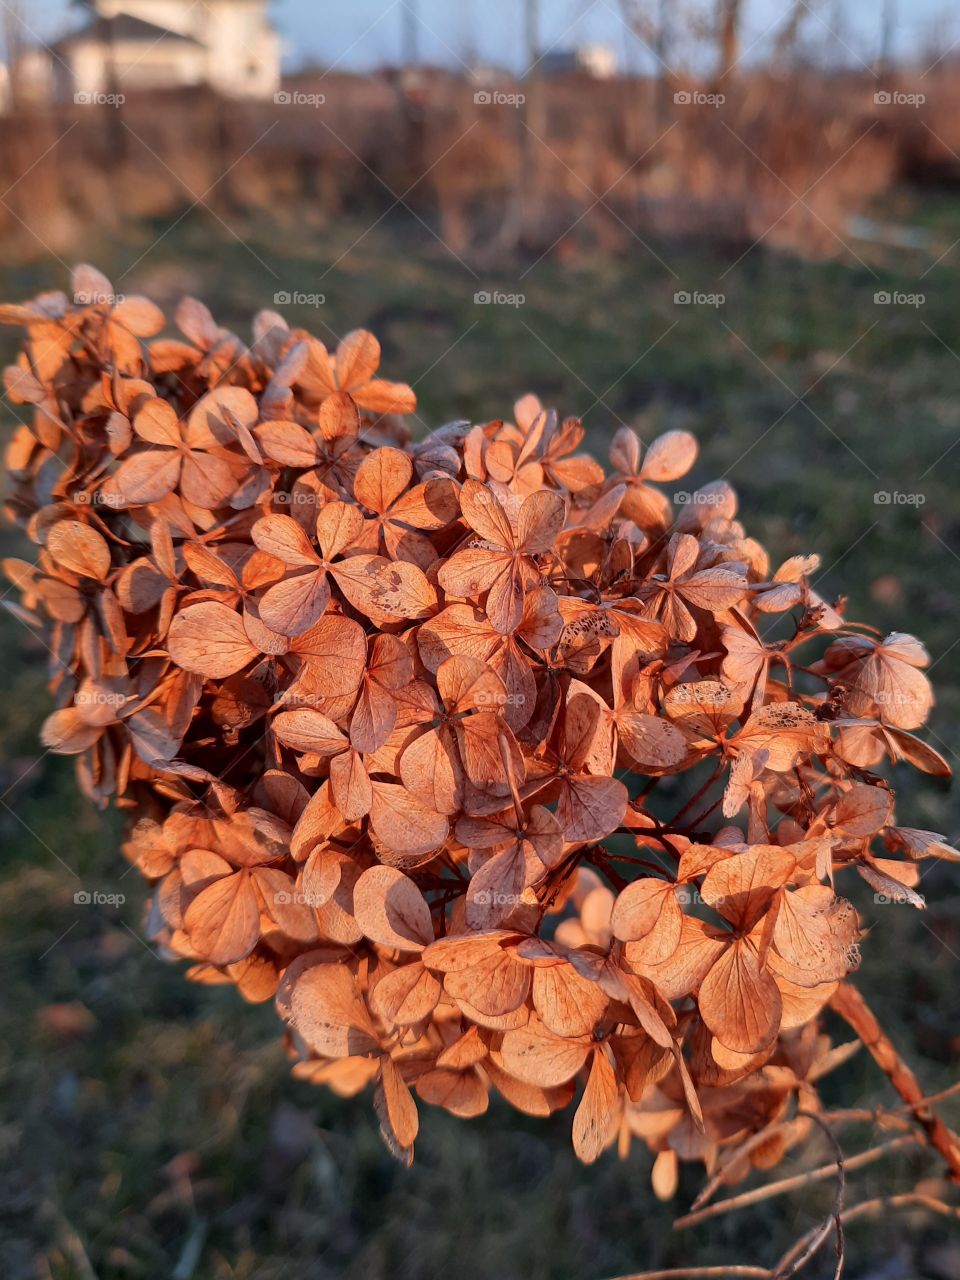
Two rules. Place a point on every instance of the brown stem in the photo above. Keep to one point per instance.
(695, 797)
(511, 779)
(851, 1006)
(804, 1255)
(704, 1273)
(770, 1189)
(599, 859)
(908, 1200)
(800, 1253)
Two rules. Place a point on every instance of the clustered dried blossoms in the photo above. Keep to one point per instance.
(374, 707)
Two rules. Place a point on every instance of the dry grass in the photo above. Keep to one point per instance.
(599, 157)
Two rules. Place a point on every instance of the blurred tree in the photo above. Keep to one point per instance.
(888, 24)
(787, 37)
(729, 14)
(651, 22)
(13, 32)
(410, 56)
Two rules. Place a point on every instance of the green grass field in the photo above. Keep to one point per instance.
(166, 1139)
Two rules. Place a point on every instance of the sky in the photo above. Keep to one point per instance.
(367, 33)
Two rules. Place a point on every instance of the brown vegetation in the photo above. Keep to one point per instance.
(784, 159)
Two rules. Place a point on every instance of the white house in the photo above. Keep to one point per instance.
(126, 45)
(598, 61)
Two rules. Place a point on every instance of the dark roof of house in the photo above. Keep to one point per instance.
(124, 26)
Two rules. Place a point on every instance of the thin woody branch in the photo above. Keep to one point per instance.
(851, 1006)
(803, 1250)
(785, 1185)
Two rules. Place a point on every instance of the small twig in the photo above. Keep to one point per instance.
(599, 859)
(930, 1099)
(780, 1188)
(703, 1273)
(837, 1202)
(702, 816)
(511, 778)
(661, 838)
(697, 795)
(907, 1199)
(876, 1115)
(800, 1253)
(807, 1245)
(712, 1185)
(639, 862)
(851, 1006)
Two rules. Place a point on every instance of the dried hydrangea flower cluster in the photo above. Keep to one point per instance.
(397, 726)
